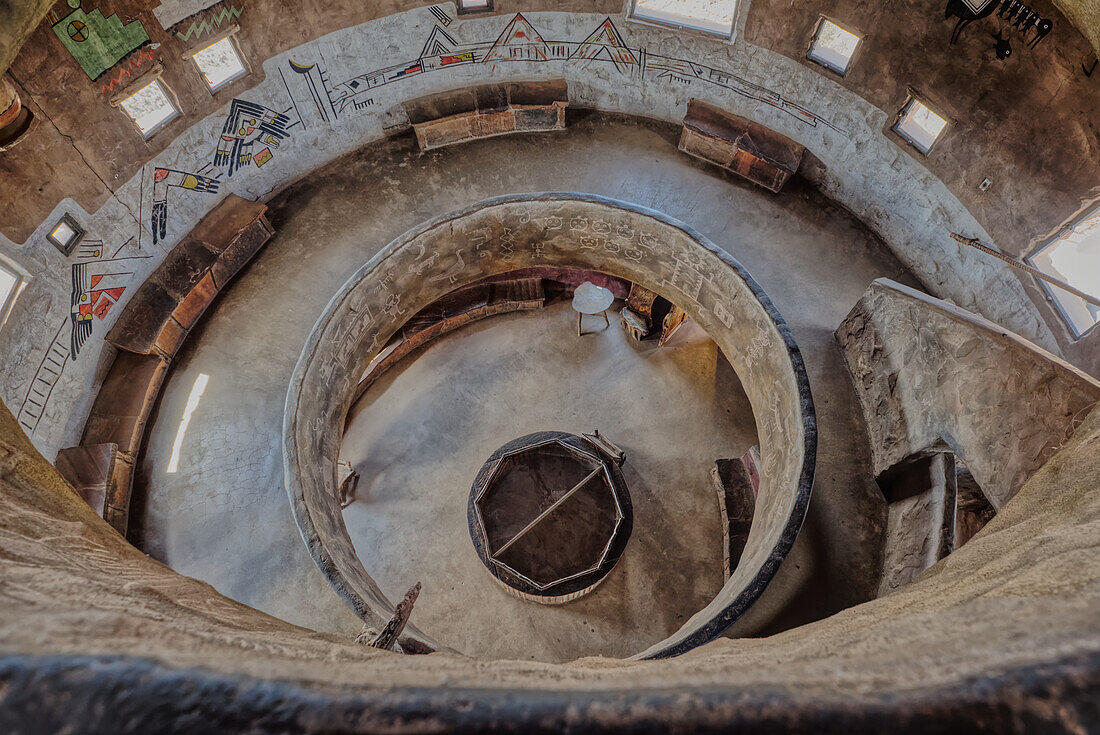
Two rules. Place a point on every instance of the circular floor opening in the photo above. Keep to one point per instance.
(550, 515)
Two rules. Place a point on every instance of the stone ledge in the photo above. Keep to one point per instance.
(929, 374)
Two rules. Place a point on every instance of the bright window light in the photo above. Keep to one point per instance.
(63, 233)
(473, 4)
(10, 285)
(713, 16)
(66, 234)
(1074, 257)
(149, 108)
(219, 63)
(833, 46)
(192, 403)
(919, 125)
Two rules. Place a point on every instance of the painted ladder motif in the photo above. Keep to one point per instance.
(45, 378)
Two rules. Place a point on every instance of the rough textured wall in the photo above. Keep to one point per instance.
(559, 230)
(1042, 165)
(1028, 123)
(1085, 14)
(85, 149)
(1001, 635)
(284, 128)
(17, 21)
(928, 373)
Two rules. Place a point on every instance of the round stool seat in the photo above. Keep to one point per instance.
(591, 299)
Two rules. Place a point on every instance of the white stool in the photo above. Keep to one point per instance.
(591, 299)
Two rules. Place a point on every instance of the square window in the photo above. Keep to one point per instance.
(219, 63)
(150, 108)
(10, 285)
(833, 46)
(1073, 256)
(66, 234)
(919, 125)
(712, 16)
(472, 6)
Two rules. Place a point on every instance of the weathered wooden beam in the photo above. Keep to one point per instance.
(394, 627)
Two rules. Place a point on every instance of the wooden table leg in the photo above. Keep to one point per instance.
(606, 323)
(579, 315)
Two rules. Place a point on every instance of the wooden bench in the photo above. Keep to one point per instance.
(487, 111)
(159, 315)
(459, 308)
(746, 148)
(98, 479)
(737, 482)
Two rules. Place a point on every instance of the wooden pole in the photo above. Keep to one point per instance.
(396, 624)
(978, 245)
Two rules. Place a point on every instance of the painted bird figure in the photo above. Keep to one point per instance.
(248, 124)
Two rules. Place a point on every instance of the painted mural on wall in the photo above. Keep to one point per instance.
(165, 179)
(98, 282)
(97, 42)
(199, 29)
(520, 40)
(248, 126)
(137, 64)
(1015, 15)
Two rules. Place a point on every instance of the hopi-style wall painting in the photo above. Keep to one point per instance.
(1014, 13)
(98, 282)
(97, 42)
(198, 29)
(520, 40)
(135, 65)
(247, 125)
(165, 179)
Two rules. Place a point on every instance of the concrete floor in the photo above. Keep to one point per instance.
(420, 435)
(223, 516)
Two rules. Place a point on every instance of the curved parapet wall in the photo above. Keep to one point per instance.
(1001, 636)
(653, 73)
(559, 230)
(927, 373)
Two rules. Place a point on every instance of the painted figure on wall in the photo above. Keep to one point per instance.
(165, 178)
(1016, 13)
(93, 295)
(98, 282)
(247, 125)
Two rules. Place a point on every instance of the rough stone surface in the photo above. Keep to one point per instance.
(558, 230)
(920, 518)
(1085, 15)
(1001, 635)
(928, 373)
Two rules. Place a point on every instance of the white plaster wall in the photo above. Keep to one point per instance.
(911, 209)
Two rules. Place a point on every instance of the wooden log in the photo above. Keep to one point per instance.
(396, 624)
